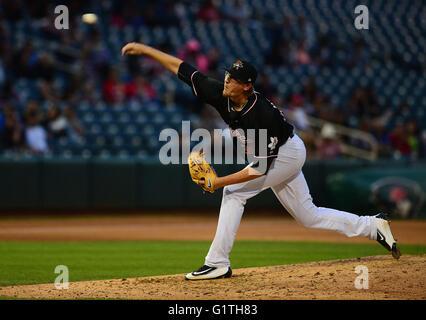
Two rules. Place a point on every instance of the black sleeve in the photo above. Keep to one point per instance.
(207, 89)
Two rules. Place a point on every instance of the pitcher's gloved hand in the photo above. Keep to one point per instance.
(201, 172)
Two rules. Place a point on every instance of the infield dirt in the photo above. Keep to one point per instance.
(388, 278)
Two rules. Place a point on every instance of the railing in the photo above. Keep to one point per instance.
(318, 125)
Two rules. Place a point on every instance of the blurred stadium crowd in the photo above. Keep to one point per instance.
(69, 92)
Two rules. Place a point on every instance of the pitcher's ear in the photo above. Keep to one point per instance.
(248, 88)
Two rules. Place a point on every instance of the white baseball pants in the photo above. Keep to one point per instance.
(286, 179)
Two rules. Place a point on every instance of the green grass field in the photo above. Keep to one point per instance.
(35, 262)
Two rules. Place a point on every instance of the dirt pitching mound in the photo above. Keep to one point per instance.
(387, 279)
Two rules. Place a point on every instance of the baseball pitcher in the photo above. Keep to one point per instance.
(279, 167)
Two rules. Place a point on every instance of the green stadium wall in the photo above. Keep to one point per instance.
(59, 183)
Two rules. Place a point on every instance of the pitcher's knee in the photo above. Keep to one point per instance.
(229, 193)
(308, 218)
(226, 191)
(307, 222)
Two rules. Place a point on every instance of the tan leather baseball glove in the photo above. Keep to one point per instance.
(201, 172)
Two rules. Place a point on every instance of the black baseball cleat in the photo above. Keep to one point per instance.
(206, 273)
(384, 235)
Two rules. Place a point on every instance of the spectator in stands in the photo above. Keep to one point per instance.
(48, 92)
(35, 135)
(384, 143)
(321, 107)
(303, 31)
(24, 61)
(44, 67)
(403, 110)
(80, 89)
(298, 112)
(209, 11)
(127, 13)
(193, 54)
(358, 56)
(422, 144)
(90, 94)
(95, 56)
(329, 145)
(33, 105)
(140, 89)
(11, 131)
(9, 94)
(55, 123)
(399, 142)
(310, 90)
(413, 136)
(75, 129)
(237, 11)
(67, 56)
(214, 68)
(362, 100)
(303, 58)
(113, 88)
(365, 124)
(311, 144)
(323, 54)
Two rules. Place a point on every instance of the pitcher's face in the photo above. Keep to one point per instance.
(233, 87)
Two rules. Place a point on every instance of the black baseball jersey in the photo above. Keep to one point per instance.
(247, 124)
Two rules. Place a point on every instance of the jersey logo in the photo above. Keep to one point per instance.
(273, 144)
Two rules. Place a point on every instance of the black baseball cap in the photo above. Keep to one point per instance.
(242, 71)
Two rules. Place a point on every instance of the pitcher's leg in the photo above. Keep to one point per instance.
(290, 159)
(295, 197)
(233, 200)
